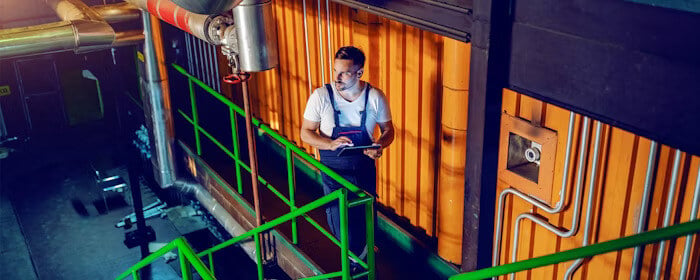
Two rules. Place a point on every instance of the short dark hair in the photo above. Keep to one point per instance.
(352, 53)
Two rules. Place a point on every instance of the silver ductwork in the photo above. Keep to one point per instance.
(256, 35)
(207, 7)
(82, 30)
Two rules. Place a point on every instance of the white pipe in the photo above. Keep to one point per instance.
(320, 47)
(644, 208)
(589, 205)
(306, 41)
(689, 238)
(534, 201)
(667, 213)
(577, 201)
(328, 26)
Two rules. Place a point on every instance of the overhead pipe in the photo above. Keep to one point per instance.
(557, 209)
(207, 7)
(689, 238)
(166, 10)
(589, 205)
(82, 29)
(667, 213)
(644, 207)
(119, 12)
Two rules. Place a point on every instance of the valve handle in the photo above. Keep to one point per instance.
(236, 78)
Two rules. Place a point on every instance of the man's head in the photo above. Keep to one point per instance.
(348, 67)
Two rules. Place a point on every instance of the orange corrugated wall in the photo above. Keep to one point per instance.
(403, 61)
(618, 193)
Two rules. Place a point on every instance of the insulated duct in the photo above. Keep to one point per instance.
(257, 35)
(207, 7)
(166, 10)
(81, 30)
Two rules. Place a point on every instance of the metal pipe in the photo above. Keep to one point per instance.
(127, 38)
(119, 12)
(577, 200)
(320, 46)
(589, 205)
(190, 57)
(667, 212)
(328, 26)
(644, 208)
(689, 238)
(559, 206)
(306, 41)
(257, 35)
(157, 108)
(166, 10)
(252, 156)
(69, 10)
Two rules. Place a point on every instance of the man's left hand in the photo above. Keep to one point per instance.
(373, 153)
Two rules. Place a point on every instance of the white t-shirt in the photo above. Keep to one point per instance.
(319, 109)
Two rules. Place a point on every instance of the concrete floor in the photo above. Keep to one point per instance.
(54, 224)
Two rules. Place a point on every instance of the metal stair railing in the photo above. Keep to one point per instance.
(187, 259)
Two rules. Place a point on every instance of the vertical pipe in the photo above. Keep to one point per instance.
(667, 213)
(689, 238)
(188, 46)
(216, 67)
(236, 149)
(328, 27)
(453, 146)
(212, 62)
(644, 208)
(369, 217)
(589, 205)
(306, 41)
(291, 180)
(253, 165)
(344, 240)
(320, 46)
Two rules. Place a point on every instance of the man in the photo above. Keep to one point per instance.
(344, 114)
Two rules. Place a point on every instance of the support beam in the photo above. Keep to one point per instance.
(489, 75)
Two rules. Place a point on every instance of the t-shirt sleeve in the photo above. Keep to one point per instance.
(383, 110)
(313, 107)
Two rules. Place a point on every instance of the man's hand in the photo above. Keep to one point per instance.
(342, 140)
(373, 153)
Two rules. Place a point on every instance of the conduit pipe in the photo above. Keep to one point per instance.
(157, 108)
(589, 205)
(577, 200)
(81, 30)
(119, 12)
(644, 208)
(667, 212)
(320, 48)
(330, 51)
(557, 209)
(166, 10)
(306, 42)
(453, 148)
(689, 238)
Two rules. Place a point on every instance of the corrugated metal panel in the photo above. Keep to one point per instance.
(403, 61)
(618, 193)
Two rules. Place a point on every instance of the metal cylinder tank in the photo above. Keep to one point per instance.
(257, 35)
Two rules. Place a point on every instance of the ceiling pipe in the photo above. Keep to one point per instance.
(82, 29)
(207, 7)
(193, 23)
(116, 13)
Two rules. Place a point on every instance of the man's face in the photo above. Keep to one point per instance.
(345, 74)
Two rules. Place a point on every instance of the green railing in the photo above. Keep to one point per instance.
(188, 259)
(295, 212)
(586, 251)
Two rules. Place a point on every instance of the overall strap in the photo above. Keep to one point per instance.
(364, 112)
(336, 113)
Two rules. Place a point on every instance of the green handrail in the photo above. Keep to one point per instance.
(586, 251)
(290, 150)
(187, 258)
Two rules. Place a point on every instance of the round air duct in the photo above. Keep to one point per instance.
(207, 7)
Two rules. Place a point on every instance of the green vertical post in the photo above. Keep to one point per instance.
(344, 240)
(291, 180)
(135, 275)
(258, 256)
(184, 266)
(236, 149)
(195, 117)
(211, 263)
(369, 217)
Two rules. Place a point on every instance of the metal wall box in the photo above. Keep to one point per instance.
(526, 157)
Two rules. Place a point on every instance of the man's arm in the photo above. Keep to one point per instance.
(385, 139)
(309, 134)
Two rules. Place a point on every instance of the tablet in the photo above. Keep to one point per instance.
(354, 148)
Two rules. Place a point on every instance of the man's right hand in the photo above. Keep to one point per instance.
(340, 141)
